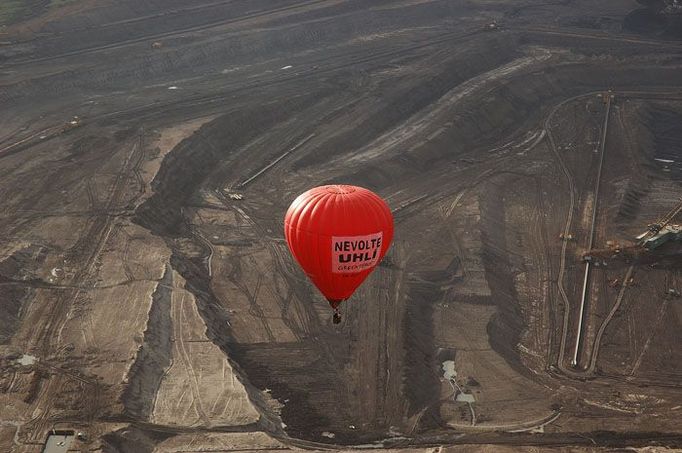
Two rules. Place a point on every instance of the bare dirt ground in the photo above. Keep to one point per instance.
(144, 306)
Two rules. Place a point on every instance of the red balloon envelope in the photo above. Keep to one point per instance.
(338, 234)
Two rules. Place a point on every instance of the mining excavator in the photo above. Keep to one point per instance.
(655, 228)
(647, 241)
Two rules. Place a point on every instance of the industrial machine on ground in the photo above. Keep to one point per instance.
(657, 234)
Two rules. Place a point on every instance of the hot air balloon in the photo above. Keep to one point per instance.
(338, 234)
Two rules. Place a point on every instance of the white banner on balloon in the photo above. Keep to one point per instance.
(353, 254)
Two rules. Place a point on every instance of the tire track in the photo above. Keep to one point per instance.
(607, 320)
(284, 265)
(179, 321)
(567, 227)
(156, 36)
(52, 318)
(604, 37)
(229, 90)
